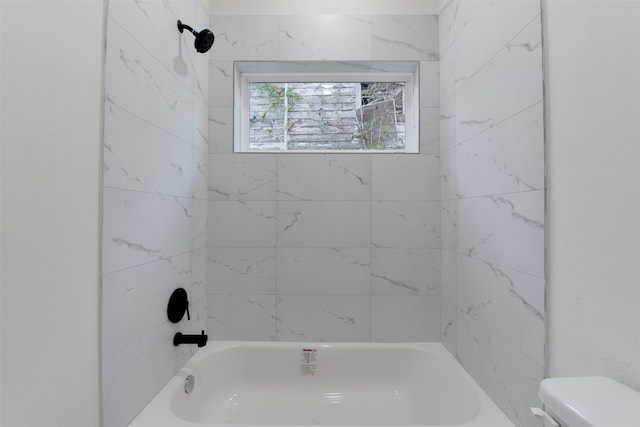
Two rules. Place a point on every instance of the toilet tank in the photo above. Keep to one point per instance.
(590, 402)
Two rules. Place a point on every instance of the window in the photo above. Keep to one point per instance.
(326, 107)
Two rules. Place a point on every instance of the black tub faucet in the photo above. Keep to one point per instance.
(180, 338)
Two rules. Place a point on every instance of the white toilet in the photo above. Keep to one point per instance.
(588, 402)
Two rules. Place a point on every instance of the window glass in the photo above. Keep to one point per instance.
(326, 116)
(320, 107)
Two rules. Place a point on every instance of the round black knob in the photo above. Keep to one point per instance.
(178, 305)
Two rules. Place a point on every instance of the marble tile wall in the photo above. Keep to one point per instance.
(492, 186)
(323, 247)
(154, 197)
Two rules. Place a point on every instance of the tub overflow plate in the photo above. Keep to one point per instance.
(189, 383)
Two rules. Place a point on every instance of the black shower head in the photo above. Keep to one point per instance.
(204, 39)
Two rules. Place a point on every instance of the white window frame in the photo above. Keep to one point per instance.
(329, 72)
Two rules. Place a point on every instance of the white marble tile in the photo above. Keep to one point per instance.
(505, 159)
(199, 280)
(143, 227)
(156, 137)
(507, 230)
(221, 130)
(447, 124)
(448, 283)
(199, 225)
(242, 224)
(203, 18)
(200, 168)
(448, 228)
(201, 60)
(447, 76)
(134, 300)
(138, 83)
(510, 378)
(491, 27)
(446, 33)
(463, 11)
(324, 271)
(405, 271)
(132, 377)
(142, 157)
(448, 325)
(515, 72)
(339, 318)
(491, 294)
(201, 81)
(248, 37)
(242, 177)
(429, 130)
(307, 177)
(242, 271)
(152, 24)
(429, 84)
(324, 224)
(324, 37)
(200, 131)
(405, 177)
(405, 318)
(398, 37)
(493, 203)
(406, 224)
(242, 317)
(221, 84)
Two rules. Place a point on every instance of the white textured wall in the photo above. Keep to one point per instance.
(593, 100)
(51, 134)
(492, 168)
(335, 247)
(155, 176)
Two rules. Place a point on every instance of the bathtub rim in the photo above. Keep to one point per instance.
(158, 413)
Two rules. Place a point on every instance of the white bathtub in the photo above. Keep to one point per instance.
(301, 384)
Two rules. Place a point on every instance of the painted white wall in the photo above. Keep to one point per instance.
(593, 169)
(319, 7)
(51, 131)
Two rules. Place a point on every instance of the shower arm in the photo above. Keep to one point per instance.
(182, 26)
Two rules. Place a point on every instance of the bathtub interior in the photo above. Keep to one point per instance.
(324, 384)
